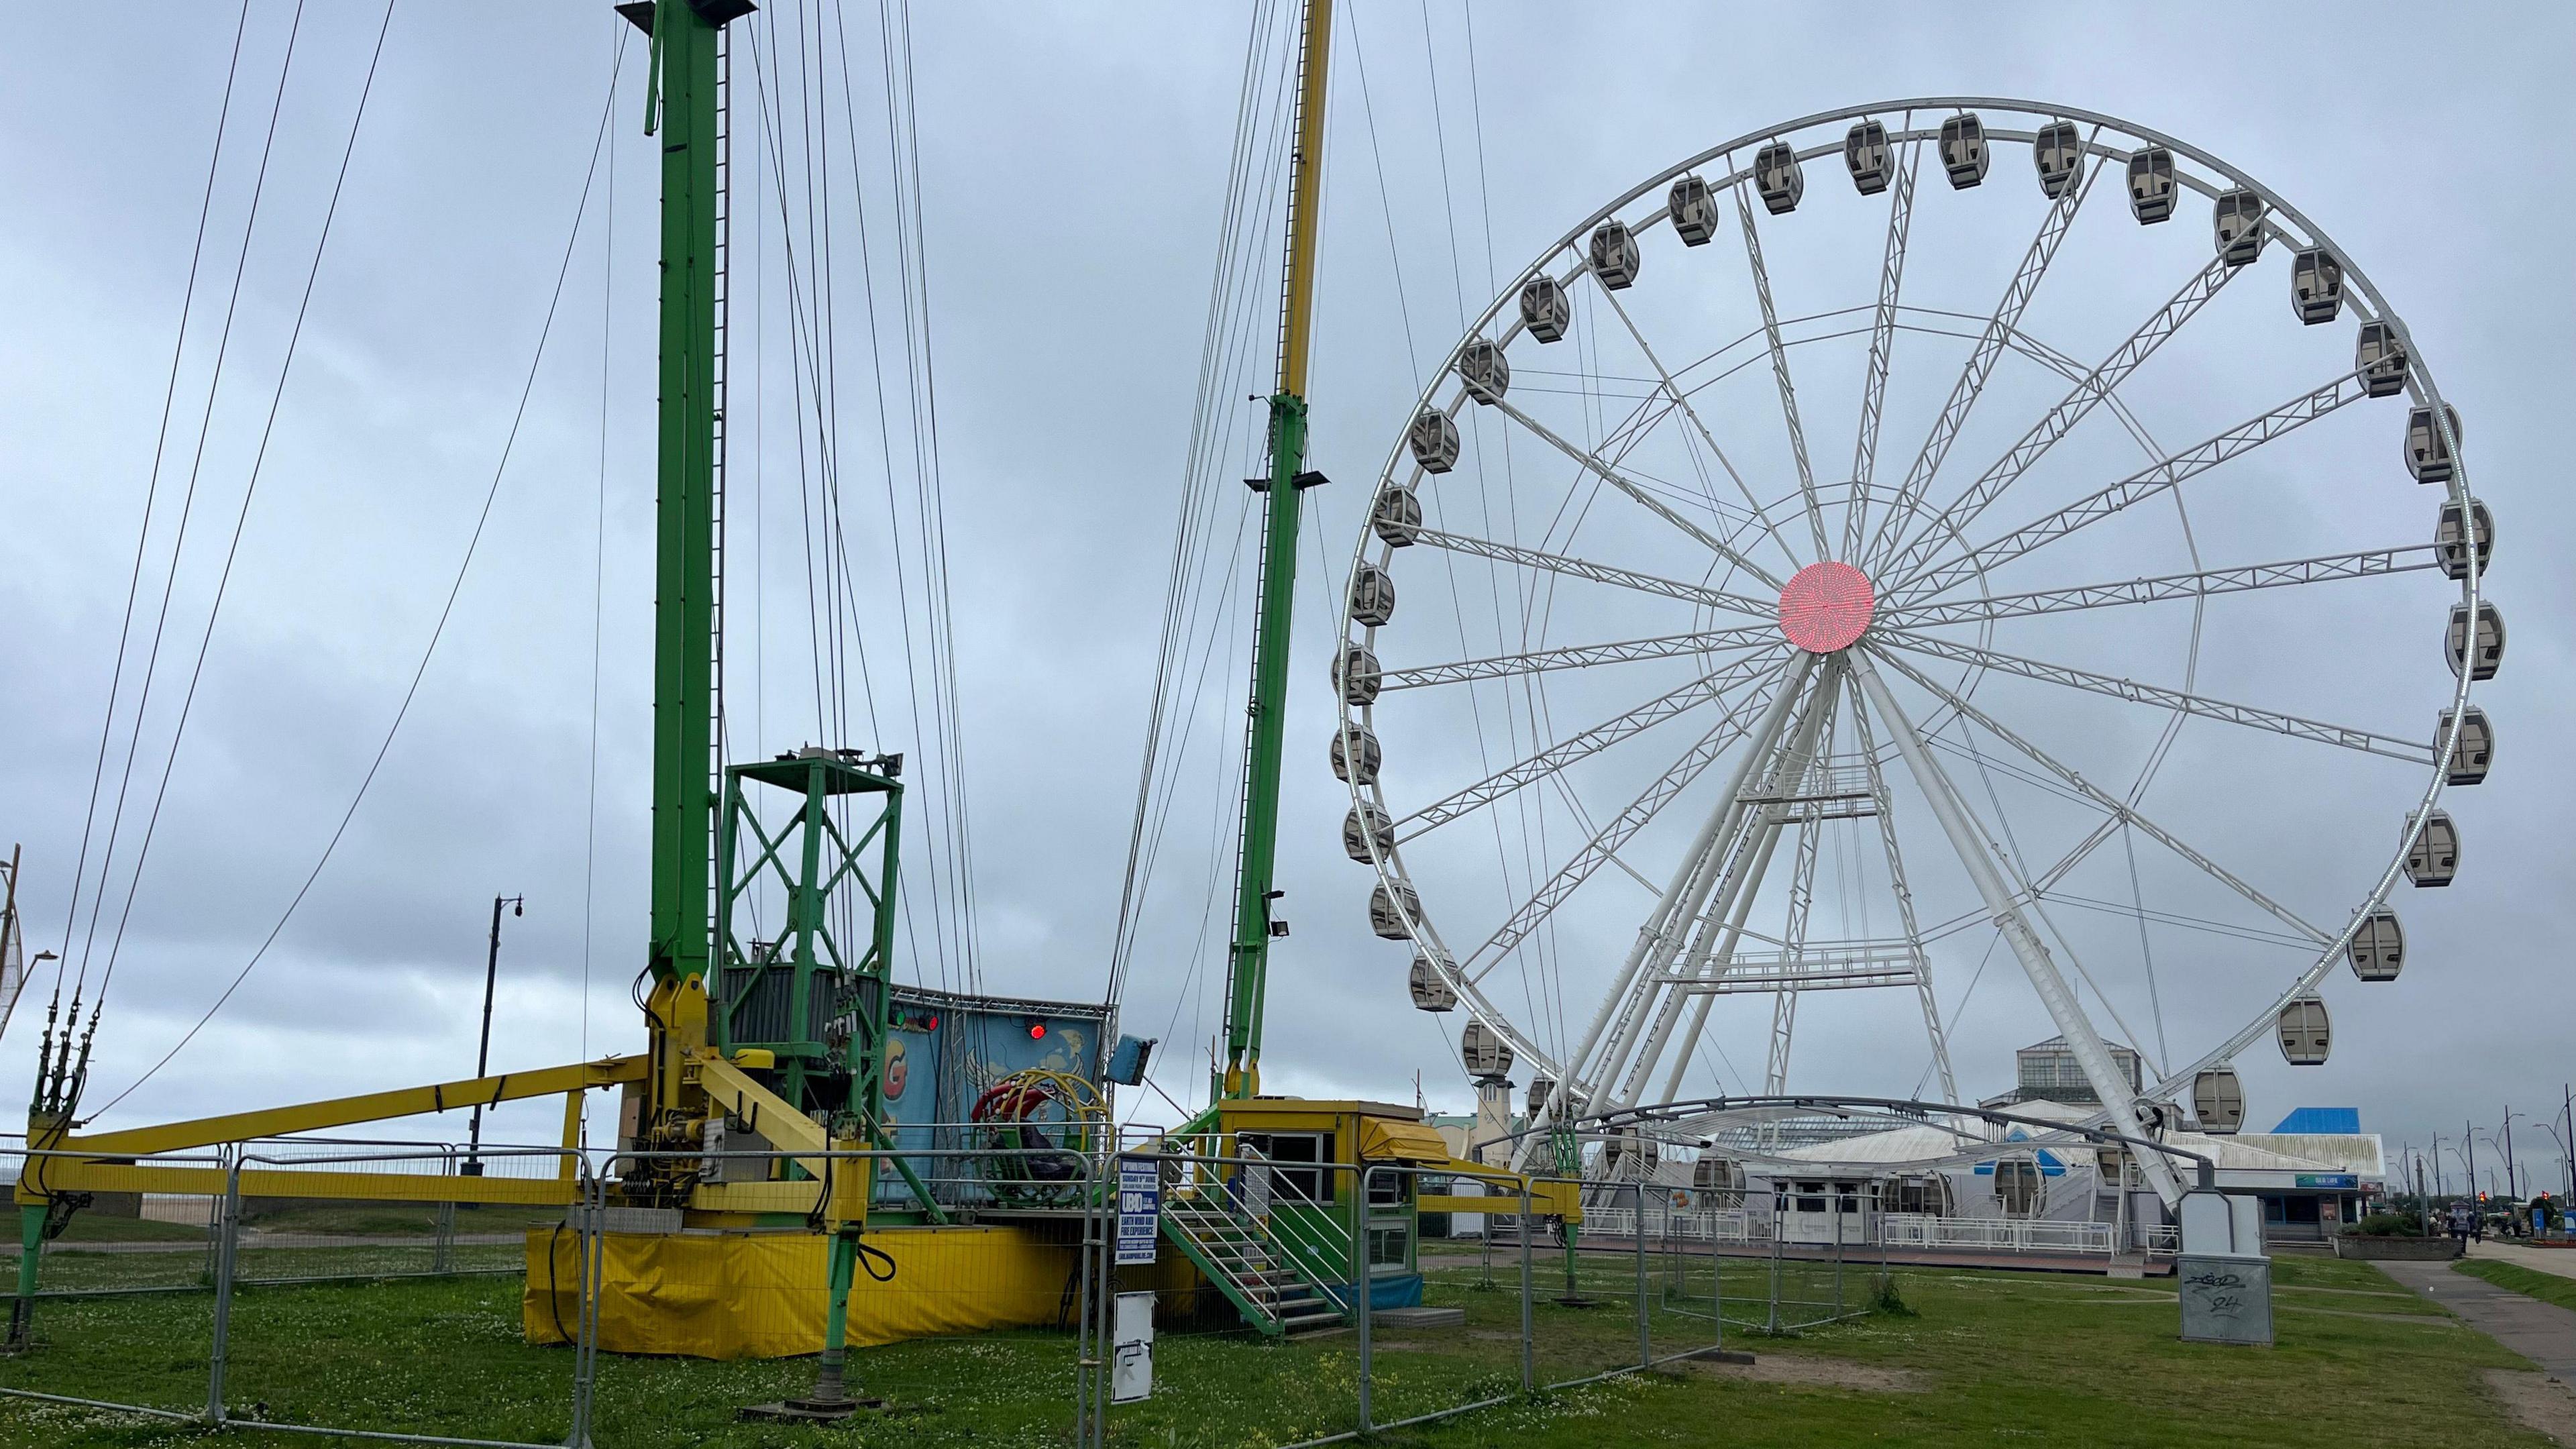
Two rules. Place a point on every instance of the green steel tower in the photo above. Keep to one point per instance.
(682, 110)
(1248, 958)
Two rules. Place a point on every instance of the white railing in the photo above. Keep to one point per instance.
(1747, 1227)
(1718, 1225)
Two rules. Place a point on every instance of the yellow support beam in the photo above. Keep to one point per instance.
(61, 1175)
(350, 1111)
(730, 1090)
(571, 1134)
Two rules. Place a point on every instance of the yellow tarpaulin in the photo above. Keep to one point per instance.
(761, 1295)
(1383, 1140)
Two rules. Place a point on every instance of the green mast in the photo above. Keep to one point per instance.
(681, 108)
(1248, 960)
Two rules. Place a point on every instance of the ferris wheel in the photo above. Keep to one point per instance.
(1851, 568)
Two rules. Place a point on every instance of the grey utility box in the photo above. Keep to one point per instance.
(2226, 1297)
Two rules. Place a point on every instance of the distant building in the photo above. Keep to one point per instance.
(2046, 1072)
(2313, 1173)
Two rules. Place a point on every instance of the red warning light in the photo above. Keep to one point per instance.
(1037, 1031)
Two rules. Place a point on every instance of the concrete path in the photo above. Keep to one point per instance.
(2541, 1332)
(2560, 1261)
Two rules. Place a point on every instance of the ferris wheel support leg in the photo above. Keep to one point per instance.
(1886, 806)
(1757, 745)
(1741, 881)
(1732, 906)
(1699, 1009)
(1784, 1006)
(1737, 905)
(2091, 1055)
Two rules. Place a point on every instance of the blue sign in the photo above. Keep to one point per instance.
(2345, 1180)
(1140, 1209)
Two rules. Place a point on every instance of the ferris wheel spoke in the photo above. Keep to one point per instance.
(1607, 841)
(1681, 403)
(1645, 498)
(1882, 344)
(2160, 477)
(1920, 958)
(2104, 379)
(1536, 661)
(1540, 559)
(1981, 360)
(2367, 564)
(2119, 810)
(1557, 757)
(2366, 741)
(1978, 855)
(1780, 373)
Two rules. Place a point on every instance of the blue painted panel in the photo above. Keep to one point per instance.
(947, 1050)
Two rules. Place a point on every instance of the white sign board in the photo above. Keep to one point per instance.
(1131, 1348)
(1140, 1209)
(1256, 1192)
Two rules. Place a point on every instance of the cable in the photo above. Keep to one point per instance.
(1186, 650)
(187, 509)
(446, 610)
(599, 541)
(151, 492)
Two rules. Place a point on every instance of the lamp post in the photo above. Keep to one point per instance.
(2566, 1160)
(2512, 1188)
(483, 1050)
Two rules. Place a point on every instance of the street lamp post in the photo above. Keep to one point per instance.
(483, 1050)
(2512, 1188)
(2566, 1160)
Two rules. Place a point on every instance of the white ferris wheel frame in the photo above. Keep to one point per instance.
(1913, 584)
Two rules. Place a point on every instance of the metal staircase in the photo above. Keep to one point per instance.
(1255, 1271)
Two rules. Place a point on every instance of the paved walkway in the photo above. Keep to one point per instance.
(2541, 1332)
(2560, 1261)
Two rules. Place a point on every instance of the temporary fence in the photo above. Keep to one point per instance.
(1285, 1293)
(255, 1344)
(168, 1242)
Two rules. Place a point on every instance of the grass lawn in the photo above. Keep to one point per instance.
(2547, 1287)
(1982, 1356)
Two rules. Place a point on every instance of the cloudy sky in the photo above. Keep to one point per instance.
(1073, 167)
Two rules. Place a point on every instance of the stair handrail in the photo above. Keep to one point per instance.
(1301, 1236)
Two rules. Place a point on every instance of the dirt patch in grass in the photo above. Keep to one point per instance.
(2537, 1402)
(1817, 1373)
